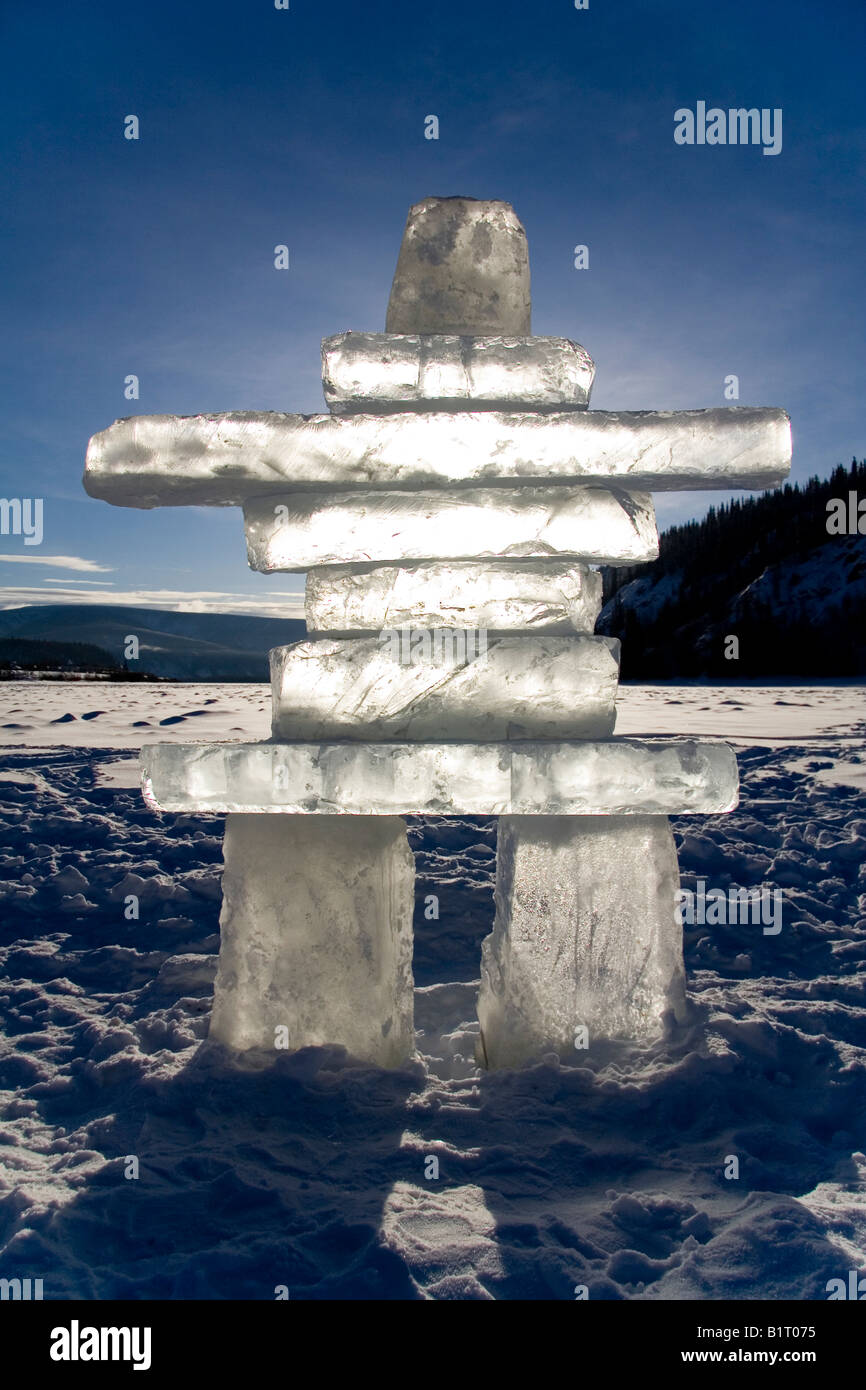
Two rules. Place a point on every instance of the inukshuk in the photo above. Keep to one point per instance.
(459, 483)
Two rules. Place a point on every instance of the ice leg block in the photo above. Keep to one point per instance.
(316, 936)
(585, 936)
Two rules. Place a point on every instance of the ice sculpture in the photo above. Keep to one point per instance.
(460, 482)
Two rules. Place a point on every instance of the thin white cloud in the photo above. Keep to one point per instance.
(101, 583)
(280, 604)
(59, 562)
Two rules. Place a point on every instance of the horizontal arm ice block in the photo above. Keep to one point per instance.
(616, 777)
(201, 460)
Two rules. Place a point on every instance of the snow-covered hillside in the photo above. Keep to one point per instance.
(784, 573)
(784, 610)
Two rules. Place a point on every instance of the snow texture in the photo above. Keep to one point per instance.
(608, 1172)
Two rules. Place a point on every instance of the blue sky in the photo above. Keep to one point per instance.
(306, 127)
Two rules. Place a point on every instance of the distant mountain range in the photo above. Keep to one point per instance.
(182, 646)
(764, 570)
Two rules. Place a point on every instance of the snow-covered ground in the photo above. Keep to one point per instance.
(608, 1173)
(94, 715)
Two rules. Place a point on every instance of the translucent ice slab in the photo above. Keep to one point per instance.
(586, 944)
(198, 460)
(452, 685)
(299, 531)
(495, 595)
(584, 777)
(372, 373)
(316, 937)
